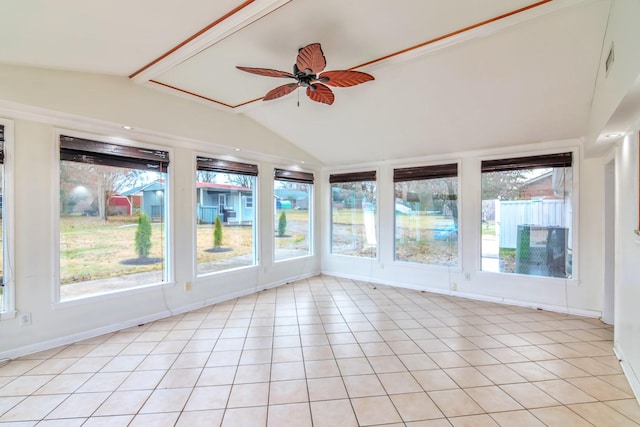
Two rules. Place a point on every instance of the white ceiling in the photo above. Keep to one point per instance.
(449, 75)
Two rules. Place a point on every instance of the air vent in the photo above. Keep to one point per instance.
(610, 58)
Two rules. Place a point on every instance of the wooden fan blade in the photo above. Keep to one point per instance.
(344, 78)
(266, 72)
(280, 91)
(311, 58)
(321, 94)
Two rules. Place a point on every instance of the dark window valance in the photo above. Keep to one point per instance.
(107, 154)
(425, 172)
(293, 176)
(226, 166)
(1, 144)
(352, 177)
(559, 160)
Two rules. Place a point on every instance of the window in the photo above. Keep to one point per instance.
(426, 214)
(225, 235)
(6, 282)
(353, 206)
(527, 215)
(112, 217)
(292, 213)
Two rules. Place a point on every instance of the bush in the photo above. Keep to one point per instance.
(217, 233)
(282, 224)
(143, 236)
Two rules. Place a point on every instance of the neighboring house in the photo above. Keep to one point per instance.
(298, 199)
(234, 203)
(120, 205)
(151, 197)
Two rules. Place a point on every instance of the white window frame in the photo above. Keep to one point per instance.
(8, 251)
(169, 238)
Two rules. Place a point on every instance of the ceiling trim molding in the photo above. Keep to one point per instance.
(245, 16)
(234, 20)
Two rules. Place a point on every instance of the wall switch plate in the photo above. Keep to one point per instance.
(24, 319)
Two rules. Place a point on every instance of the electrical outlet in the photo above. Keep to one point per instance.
(467, 276)
(454, 286)
(24, 319)
(187, 286)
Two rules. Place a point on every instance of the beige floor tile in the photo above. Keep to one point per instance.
(327, 388)
(332, 413)
(600, 414)
(441, 422)
(293, 415)
(244, 374)
(142, 380)
(78, 405)
(415, 407)
(166, 400)
(455, 403)
(244, 395)
(212, 418)
(531, 371)
(506, 355)
(321, 368)
(292, 354)
(559, 416)
(109, 421)
(65, 383)
(371, 349)
(599, 389)
(500, 374)
(243, 417)
(180, 378)
(255, 357)
(448, 359)
(123, 403)
(363, 386)
(399, 383)
(434, 379)
(375, 410)
(346, 351)
(564, 392)
(562, 369)
(516, 418)
(157, 361)
(493, 399)
(224, 358)
(292, 391)
(467, 377)
(627, 407)
(529, 395)
(354, 366)
(384, 364)
(473, 421)
(25, 385)
(417, 362)
(208, 398)
(321, 352)
(592, 366)
(619, 381)
(157, 420)
(287, 371)
(107, 381)
(33, 408)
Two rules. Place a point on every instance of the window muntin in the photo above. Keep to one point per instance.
(225, 190)
(292, 214)
(527, 215)
(112, 229)
(426, 214)
(353, 207)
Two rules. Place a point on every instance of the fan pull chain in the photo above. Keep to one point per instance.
(298, 96)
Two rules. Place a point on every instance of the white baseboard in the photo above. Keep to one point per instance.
(632, 377)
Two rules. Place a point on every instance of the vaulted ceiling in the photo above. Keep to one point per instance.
(449, 75)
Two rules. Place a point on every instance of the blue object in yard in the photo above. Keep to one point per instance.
(445, 231)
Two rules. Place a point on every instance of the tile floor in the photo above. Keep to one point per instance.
(331, 352)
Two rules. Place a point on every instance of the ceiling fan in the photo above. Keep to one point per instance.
(306, 73)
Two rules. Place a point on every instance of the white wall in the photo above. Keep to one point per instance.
(627, 291)
(580, 295)
(59, 101)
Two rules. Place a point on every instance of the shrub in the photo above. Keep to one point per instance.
(282, 224)
(143, 236)
(217, 232)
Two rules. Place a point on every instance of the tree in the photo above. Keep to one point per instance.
(143, 236)
(241, 180)
(282, 224)
(503, 185)
(217, 233)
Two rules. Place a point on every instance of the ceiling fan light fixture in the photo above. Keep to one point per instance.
(311, 59)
